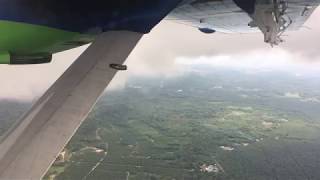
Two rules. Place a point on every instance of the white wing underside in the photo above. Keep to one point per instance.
(272, 17)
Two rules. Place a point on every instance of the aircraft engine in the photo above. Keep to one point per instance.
(14, 59)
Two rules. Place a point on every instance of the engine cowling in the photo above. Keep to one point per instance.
(15, 59)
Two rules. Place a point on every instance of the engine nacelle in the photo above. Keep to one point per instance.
(14, 59)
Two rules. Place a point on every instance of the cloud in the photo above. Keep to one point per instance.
(272, 59)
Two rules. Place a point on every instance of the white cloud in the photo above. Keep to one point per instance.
(260, 60)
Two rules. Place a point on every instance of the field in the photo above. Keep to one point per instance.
(217, 124)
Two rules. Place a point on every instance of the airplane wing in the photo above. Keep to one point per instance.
(31, 31)
(32, 146)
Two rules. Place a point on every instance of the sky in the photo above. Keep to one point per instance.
(170, 47)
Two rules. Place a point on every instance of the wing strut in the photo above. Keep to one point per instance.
(32, 146)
